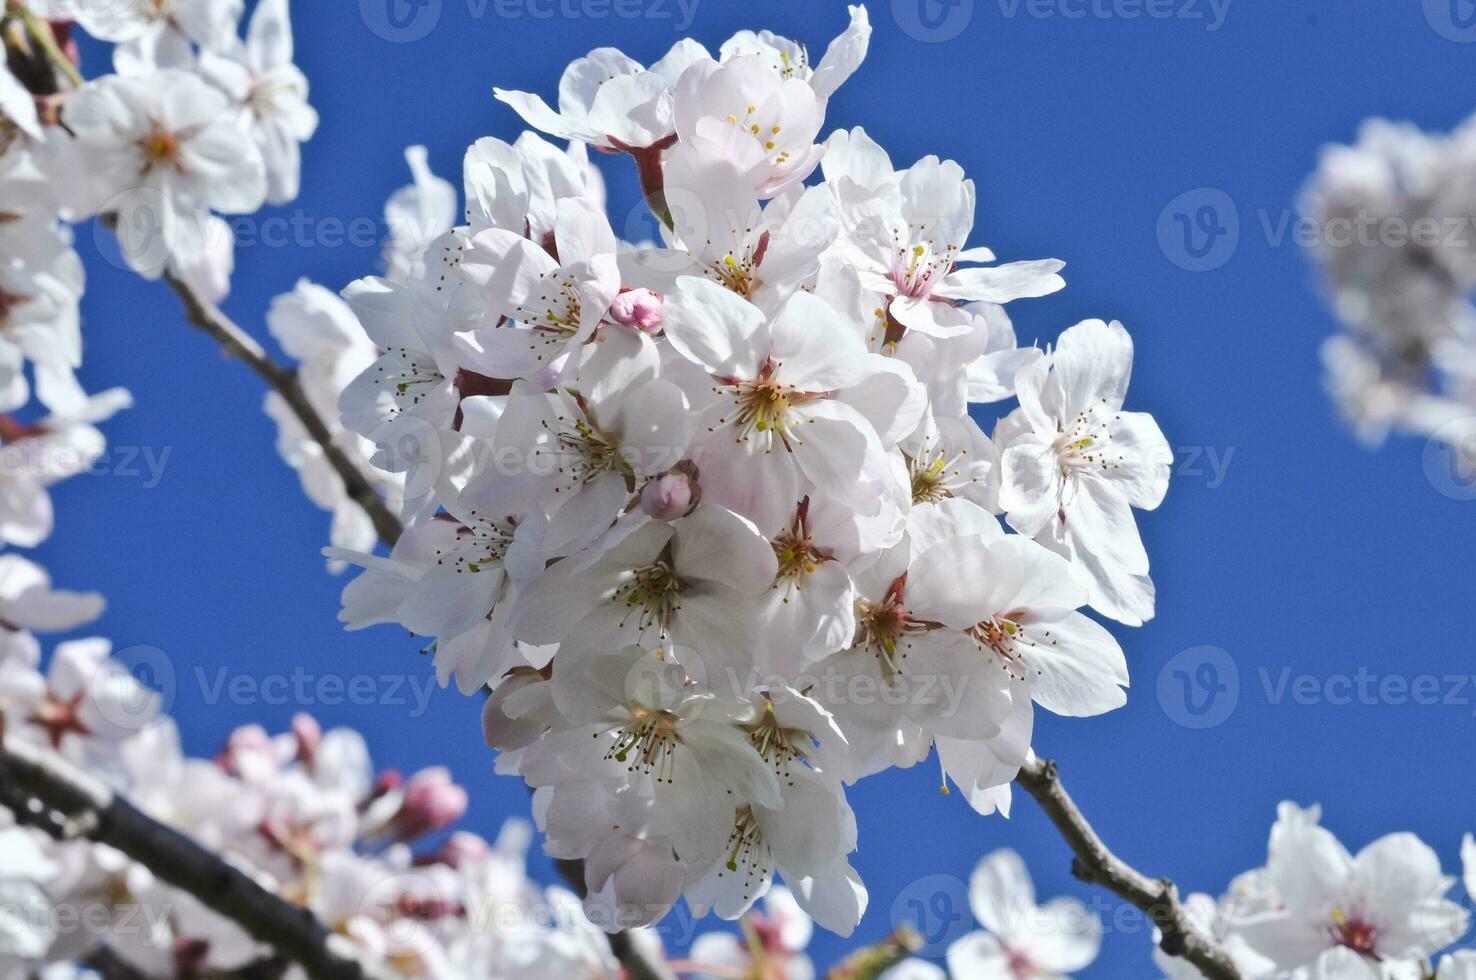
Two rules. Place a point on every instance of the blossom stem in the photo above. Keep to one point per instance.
(86, 807)
(872, 961)
(652, 176)
(42, 34)
(1096, 864)
(238, 343)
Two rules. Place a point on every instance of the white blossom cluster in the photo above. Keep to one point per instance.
(1018, 938)
(1395, 222)
(1316, 912)
(1312, 912)
(710, 514)
(305, 813)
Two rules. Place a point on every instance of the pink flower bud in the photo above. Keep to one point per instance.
(309, 736)
(245, 744)
(673, 494)
(386, 782)
(432, 801)
(459, 849)
(639, 308)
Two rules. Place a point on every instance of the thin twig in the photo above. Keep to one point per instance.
(239, 344)
(42, 34)
(180, 861)
(1095, 864)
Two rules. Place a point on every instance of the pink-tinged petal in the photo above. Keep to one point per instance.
(834, 445)
(749, 478)
(716, 545)
(716, 329)
(814, 349)
(1003, 283)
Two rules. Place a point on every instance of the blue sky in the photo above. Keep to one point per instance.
(1297, 556)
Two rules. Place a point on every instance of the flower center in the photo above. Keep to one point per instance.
(585, 451)
(779, 746)
(798, 557)
(1005, 637)
(59, 717)
(881, 627)
(1086, 444)
(9, 302)
(646, 743)
(554, 318)
(652, 594)
(748, 855)
(935, 476)
(766, 135)
(160, 149)
(409, 380)
(916, 268)
(1354, 933)
(481, 545)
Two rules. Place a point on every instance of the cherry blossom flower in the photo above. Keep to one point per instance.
(1074, 464)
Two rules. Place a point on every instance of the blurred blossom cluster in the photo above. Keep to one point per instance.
(304, 813)
(1396, 214)
(1315, 911)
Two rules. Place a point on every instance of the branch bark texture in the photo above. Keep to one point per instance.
(1096, 864)
(85, 807)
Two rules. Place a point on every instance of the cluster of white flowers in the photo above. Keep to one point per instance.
(1395, 216)
(304, 812)
(710, 515)
(1316, 912)
(1019, 938)
(195, 122)
(1312, 912)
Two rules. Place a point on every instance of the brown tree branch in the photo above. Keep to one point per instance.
(207, 317)
(1095, 864)
(85, 807)
(238, 343)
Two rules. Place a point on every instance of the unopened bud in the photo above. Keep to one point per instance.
(673, 494)
(432, 801)
(639, 308)
(309, 736)
(459, 849)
